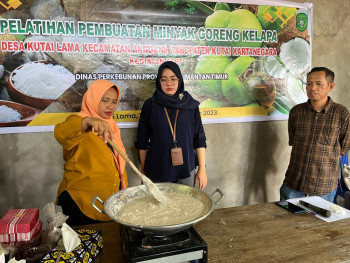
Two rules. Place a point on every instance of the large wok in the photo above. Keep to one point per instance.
(116, 201)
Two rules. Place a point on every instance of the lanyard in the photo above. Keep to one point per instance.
(173, 131)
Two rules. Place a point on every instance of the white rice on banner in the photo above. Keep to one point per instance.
(8, 114)
(44, 81)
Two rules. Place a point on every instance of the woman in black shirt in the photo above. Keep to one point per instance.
(171, 119)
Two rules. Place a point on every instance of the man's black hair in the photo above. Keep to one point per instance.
(329, 73)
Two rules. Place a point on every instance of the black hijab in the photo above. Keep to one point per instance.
(181, 99)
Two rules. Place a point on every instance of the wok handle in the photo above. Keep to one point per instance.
(94, 201)
(220, 197)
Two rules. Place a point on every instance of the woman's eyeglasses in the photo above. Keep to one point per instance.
(171, 80)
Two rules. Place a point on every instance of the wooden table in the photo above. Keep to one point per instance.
(269, 233)
(256, 233)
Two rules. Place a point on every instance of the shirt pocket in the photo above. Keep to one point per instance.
(329, 136)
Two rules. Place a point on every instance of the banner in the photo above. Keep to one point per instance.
(242, 60)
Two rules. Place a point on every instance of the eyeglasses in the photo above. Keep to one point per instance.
(171, 80)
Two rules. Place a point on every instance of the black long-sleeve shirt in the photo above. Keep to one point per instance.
(154, 135)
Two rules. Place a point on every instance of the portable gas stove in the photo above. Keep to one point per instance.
(186, 246)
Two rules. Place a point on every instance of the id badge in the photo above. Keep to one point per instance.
(176, 156)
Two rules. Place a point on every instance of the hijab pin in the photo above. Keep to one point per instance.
(181, 95)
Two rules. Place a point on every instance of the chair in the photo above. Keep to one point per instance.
(342, 189)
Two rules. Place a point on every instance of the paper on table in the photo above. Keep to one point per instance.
(320, 202)
(13, 260)
(70, 238)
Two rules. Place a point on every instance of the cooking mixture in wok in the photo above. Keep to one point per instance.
(182, 208)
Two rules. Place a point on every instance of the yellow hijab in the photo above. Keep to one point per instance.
(89, 108)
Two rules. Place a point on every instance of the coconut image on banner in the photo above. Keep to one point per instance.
(243, 61)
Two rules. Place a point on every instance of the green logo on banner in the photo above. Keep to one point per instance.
(301, 22)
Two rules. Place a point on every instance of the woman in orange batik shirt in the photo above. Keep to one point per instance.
(91, 166)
